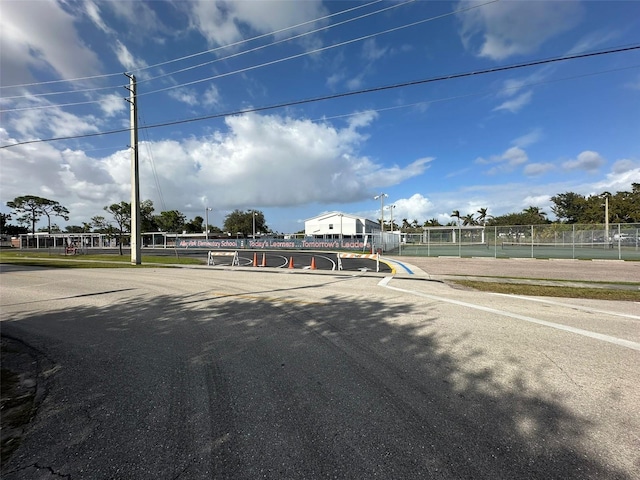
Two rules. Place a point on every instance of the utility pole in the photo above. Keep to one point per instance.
(135, 174)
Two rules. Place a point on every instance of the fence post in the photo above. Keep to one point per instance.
(531, 241)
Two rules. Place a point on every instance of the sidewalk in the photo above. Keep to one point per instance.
(522, 270)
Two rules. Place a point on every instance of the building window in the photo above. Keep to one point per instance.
(331, 226)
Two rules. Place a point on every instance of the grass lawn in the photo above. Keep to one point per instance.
(45, 259)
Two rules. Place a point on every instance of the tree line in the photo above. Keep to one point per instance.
(29, 209)
(569, 208)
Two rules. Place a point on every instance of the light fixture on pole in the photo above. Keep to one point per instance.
(391, 207)
(606, 218)
(381, 197)
(254, 225)
(206, 222)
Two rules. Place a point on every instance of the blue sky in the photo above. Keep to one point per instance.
(502, 141)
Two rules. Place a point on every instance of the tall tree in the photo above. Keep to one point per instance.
(4, 221)
(569, 207)
(535, 212)
(456, 214)
(468, 220)
(242, 222)
(171, 221)
(121, 213)
(32, 208)
(147, 221)
(196, 225)
(483, 216)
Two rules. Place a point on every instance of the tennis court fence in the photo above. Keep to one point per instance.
(614, 241)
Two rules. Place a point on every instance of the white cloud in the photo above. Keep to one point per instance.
(334, 79)
(185, 95)
(515, 104)
(371, 52)
(211, 96)
(223, 22)
(506, 162)
(257, 160)
(528, 139)
(415, 207)
(139, 15)
(588, 161)
(126, 58)
(93, 12)
(356, 82)
(537, 169)
(623, 173)
(112, 104)
(56, 123)
(39, 38)
(505, 29)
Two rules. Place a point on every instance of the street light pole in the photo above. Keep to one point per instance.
(381, 197)
(391, 207)
(206, 222)
(254, 225)
(606, 218)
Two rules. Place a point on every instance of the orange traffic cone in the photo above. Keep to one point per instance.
(291, 262)
(313, 263)
(255, 259)
(264, 260)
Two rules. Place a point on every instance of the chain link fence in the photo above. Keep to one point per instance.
(619, 241)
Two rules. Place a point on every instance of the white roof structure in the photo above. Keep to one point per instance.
(338, 223)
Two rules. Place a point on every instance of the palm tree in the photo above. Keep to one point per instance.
(469, 220)
(433, 222)
(456, 214)
(536, 212)
(405, 224)
(483, 216)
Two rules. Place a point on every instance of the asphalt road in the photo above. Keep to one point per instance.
(220, 373)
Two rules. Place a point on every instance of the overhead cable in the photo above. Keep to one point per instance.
(317, 50)
(348, 94)
(240, 42)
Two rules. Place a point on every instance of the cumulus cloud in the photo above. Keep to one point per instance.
(505, 29)
(537, 169)
(41, 38)
(623, 173)
(506, 162)
(415, 207)
(260, 160)
(223, 22)
(588, 161)
(112, 104)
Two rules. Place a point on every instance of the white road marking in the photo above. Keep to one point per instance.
(577, 307)
(586, 333)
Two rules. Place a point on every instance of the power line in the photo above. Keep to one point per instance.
(475, 94)
(251, 50)
(41, 107)
(240, 42)
(317, 50)
(347, 94)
